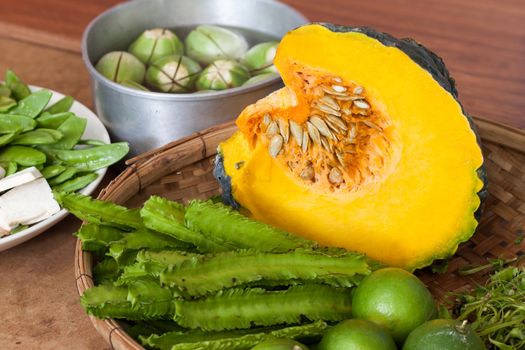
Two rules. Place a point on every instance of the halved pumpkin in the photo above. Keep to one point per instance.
(366, 148)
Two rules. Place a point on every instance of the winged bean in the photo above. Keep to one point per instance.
(62, 105)
(33, 104)
(25, 156)
(15, 123)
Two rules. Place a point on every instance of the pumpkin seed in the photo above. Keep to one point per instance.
(372, 125)
(330, 102)
(358, 90)
(361, 104)
(314, 133)
(338, 88)
(327, 145)
(335, 176)
(276, 144)
(305, 142)
(297, 132)
(321, 126)
(328, 110)
(334, 93)
(307, 173)
(284, 129)
(267, 119)
(337, 122)
(272, 129)
(337, 79)
(340, 157)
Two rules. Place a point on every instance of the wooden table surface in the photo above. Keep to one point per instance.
(481, 41)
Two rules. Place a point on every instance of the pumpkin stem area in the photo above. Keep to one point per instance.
(344, 142)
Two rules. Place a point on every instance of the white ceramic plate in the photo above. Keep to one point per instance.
(95, 130)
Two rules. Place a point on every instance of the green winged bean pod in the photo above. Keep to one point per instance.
(7, 138)
(51, 171)
(231, 340)
(245, 308)
(211, 274)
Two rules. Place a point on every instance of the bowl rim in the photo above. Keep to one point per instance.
(195, 96)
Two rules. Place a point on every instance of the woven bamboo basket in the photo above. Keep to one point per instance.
(182, 170)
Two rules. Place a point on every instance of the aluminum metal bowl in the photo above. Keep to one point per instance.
(150, 119)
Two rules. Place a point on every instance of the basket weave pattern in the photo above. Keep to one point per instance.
(183, 170)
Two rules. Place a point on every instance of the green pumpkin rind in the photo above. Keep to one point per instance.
(427, 60)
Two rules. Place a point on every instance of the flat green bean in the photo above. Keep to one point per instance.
(76, 183)
(72, 130)
(10, 167)
(25, 156)
(52, 121)
(7, 138)
(62, 105)
(19, 89)
(4, 90)
(6, 103)
(90, 159)
(38, 137)
(67, 174)
(15, 123)
(33, 104)
(91, 142)
(51, 171)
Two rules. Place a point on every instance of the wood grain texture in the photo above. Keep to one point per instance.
(481, 41)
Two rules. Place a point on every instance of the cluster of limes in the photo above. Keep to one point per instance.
(392, 308)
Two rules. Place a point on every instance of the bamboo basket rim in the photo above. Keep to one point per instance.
(194, 148)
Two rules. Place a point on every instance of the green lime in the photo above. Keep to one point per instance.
(356, 335)
(395, 299)
(443, 334)
(280, 344)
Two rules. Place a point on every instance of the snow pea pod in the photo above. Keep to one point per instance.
(15, 123)
(6, 103)
(52, 170)
(19, 89)
(72, 130)
(10, 167)
(67, 174)
(7, 138)
(89, 159)
(53, 121)
(4, 90)
(91, 142)
(25, 156)
(33, 104)
(62, 105)
(38, 137)
(76, 183)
